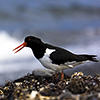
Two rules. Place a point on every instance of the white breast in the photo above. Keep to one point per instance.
(47, 62)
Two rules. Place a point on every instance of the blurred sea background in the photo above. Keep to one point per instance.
(71, 24)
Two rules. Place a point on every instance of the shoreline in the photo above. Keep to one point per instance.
(31, 87)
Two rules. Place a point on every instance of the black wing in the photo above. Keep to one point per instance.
(60, 56)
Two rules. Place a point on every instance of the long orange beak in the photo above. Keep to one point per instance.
(20, 47)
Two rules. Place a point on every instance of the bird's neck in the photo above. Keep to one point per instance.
(38, 51)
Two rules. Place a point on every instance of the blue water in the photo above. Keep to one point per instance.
(71, 24)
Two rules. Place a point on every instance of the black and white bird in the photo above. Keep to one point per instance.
(53, 57)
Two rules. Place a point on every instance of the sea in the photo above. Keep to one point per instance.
(71, 24)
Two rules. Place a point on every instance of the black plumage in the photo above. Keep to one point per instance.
(52, 56)
(60, 56)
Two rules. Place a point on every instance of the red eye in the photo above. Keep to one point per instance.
(29, 39)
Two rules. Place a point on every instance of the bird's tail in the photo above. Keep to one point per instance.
(90, 57)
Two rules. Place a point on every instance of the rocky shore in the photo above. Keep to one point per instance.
(31, 87)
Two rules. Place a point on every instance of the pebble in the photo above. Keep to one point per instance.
(43, 72)
(33, 87)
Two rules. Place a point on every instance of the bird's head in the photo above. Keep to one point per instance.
(29, 41)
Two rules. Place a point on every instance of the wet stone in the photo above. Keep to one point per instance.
(33, 87)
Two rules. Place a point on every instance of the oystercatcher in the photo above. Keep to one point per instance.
(53, 57)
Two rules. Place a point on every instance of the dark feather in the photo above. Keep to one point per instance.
(89, 57)
(60, 58)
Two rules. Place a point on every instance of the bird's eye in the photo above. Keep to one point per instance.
(29, 39)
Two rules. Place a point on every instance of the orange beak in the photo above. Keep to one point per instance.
(20, 47)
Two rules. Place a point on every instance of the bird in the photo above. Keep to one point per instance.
(54, 57)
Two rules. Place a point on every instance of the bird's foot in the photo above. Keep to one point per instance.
(59, 76)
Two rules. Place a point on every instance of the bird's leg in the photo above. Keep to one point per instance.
(56, 74)
(62, 76)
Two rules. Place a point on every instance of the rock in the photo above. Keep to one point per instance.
(37, 96)
(33, 87)
(43, 72)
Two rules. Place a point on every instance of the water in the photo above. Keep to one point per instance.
(73, 25)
